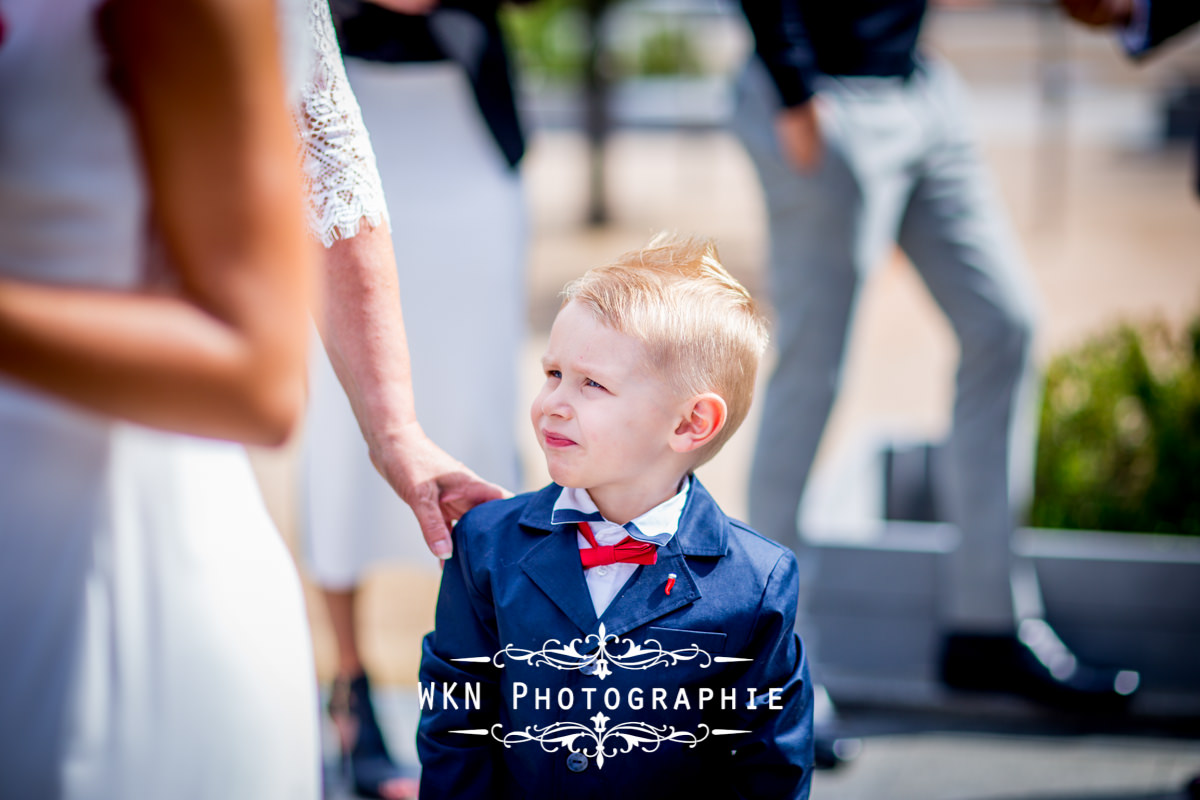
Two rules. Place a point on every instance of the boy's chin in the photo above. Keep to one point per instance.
(566, 482)
(565, 479)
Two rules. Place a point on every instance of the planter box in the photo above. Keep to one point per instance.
(1120, 599)
(1128, 600)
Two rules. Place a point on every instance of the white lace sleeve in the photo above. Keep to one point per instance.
(341, 178)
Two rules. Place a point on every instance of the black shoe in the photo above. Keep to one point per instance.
(830, 752)
(1036, 664)
(1193, 788)
(364, 752)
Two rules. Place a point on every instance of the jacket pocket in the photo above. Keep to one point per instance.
(678, 639)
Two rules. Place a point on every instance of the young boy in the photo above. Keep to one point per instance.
(615, 635)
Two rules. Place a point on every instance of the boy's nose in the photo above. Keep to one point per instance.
(555, 405)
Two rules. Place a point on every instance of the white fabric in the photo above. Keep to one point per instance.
(659, 525)
(459, 232)
(153, 634)
(342, 182)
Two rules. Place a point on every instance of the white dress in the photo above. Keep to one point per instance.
(153, 640)
(459, 232)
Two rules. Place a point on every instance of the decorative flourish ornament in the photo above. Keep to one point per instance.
(599, 741)
(595, 653)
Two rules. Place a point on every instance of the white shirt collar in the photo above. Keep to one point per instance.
(658, 525)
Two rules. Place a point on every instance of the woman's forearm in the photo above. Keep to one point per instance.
(363, 331)
(362, 327)
(158, 361)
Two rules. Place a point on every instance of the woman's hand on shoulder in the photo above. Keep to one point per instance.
(437, 487)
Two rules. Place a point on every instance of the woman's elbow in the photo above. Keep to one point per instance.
(276, 415)
(274, 398)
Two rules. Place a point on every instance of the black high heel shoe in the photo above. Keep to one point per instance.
(365, 757)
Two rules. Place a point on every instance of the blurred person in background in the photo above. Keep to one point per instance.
(154, 287)
(1143, 25)
(433, 83)
(861, 141)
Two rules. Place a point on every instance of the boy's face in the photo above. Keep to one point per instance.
(603, 419)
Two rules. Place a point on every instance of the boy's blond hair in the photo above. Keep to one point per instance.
(701, 328)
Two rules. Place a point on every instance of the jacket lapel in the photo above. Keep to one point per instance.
(703, 531)
(553, 563)
(645, 597)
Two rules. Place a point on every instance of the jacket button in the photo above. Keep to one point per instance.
(577, 762)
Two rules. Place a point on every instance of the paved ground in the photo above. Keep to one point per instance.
(934, 765)
(1111, 232)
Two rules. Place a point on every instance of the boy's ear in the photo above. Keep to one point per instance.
(704, 417)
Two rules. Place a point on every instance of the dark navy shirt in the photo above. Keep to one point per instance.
(374, 33)
(800, 39)
(474, 41)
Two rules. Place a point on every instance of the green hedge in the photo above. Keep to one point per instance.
(1119, 447)
(549, 40)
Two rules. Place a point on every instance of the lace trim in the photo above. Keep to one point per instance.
(341, 178)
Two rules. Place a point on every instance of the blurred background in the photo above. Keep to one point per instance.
(626, 102)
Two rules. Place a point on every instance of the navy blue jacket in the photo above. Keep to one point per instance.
(516, 582)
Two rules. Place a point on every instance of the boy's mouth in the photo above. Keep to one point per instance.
(555, 440)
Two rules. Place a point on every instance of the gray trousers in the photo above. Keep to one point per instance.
(900, 166)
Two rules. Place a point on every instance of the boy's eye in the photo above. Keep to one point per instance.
(553, 373)
(592, 383)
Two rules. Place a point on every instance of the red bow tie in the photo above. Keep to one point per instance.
(628, 551)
